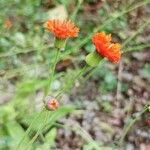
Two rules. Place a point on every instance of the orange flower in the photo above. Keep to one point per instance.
(106, 48)
(52, 104)
(62, 29)
(8, 24)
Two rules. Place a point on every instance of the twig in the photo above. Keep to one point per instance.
(121, 62)
(118, 95)
(127, 128)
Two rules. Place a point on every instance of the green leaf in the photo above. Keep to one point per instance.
(15, 130)
(48, 141)
(5, 112)
(149, 108)
(107, 107)
(145, 72)
(52, 117)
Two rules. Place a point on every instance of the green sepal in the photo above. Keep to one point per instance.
(60, 43)
(93, 59)
(149, 108)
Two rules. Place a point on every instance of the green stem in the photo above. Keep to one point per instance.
(45, 122)
(123, 45)
(85, 71)
(126, 129)
(83, 133)
(74, 14)
(28, 130)
(137, 32)
(82, 71)
(93, 71)
(52, 74)
(137, 48)
(46, 93)
(38, 132)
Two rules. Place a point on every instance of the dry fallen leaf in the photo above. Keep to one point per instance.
(58, 12)
(64, 64)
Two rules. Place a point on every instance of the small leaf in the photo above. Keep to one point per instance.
(50, 136)
(16, 132)
(149, 108)
(19, 38)
(52, 117)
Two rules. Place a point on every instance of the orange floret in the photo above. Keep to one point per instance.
(106, 48)
(62, 29)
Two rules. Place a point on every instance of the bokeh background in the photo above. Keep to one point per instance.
(105, 102)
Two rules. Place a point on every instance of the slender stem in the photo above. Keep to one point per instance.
(82, 71)
(134, 35)
(120, 69)
(39, 131)
(42, 127)
(137, 48)
(28, 130)
(74, 14)
(52, 74)
(83, 133)
(93, 71)
(126, 129)
(46, 92)
(85, 71)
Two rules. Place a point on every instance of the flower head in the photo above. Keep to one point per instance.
(62, 29)
(8, 24)
(52, 104)
(106, 48)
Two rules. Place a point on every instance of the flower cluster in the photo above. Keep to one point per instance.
(103, 43)
(105, 48)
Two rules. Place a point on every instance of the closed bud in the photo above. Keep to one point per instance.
(52, 104)
(93, 59)
(60, 43)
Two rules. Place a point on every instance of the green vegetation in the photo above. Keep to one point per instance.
(31, 68)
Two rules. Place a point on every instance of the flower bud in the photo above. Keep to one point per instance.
(93, 59)
(52, 104)
(8, 24)
(60, 43)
